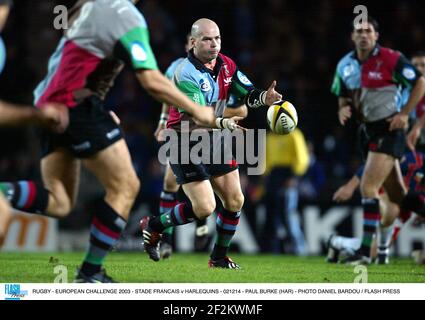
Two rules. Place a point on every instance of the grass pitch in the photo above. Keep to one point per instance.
(193, 268)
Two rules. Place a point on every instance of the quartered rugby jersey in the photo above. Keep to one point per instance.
(208, 87)
(102, 36)
(374, 85)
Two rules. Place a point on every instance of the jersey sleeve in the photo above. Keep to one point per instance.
(189, 86)
(338, 86)
(405, 73)
(169, 73)
(241, 86)
(132, 39)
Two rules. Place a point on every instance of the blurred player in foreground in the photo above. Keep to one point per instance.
(51, 116)
(102, 36)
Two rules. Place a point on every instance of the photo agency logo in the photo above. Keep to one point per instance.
(218, 147)
(361, 19)
(13, 292)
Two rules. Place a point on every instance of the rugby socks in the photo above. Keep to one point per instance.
(168, 200)
(384, 239)
(105, 230)
(414, 202)
(27, 196)
(371, 217)
(226, 223)
(179, 215)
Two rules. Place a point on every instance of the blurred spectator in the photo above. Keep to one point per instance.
(287, 159)
(312, 182)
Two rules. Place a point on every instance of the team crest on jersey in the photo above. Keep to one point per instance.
(348, 70)
(409, 73)
(138, 52)
(243, 78)
(205, 85)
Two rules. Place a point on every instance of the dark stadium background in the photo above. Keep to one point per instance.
(298, 43)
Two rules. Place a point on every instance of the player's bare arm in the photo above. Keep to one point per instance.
(344, 110)
(345, 192)
(241, 111)
(400, 121)
(51, 116)
(162, 89)
(415, 132)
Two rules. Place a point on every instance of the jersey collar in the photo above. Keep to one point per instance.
(374, 53)
(200, 66)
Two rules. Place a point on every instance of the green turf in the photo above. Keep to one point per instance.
(136, 267)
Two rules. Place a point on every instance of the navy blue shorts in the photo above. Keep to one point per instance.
(91, 129)
(379, 139)
(216, 165)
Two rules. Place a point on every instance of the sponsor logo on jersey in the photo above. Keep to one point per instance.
(227, 81)
(409, 73)
(138, 52)
(375, 75)
(244, 79)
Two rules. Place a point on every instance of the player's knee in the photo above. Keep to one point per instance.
(204, 209)
(132, 188)
(368, 190)
(170, 185)
(59, 206)
(235, 203)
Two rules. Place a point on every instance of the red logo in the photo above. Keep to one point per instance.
(373, 146)
(233, 163)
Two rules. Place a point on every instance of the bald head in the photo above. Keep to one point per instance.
(206, 40)
(202, 26)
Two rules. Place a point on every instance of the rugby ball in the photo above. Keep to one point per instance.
(282, 117)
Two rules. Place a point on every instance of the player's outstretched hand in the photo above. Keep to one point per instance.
(54, 116)
(272, 95)
(344, 193)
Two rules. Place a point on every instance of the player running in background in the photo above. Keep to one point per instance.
(367, 81)
(209, 77)
(416, 136)
(52, 116)
(103, 35)
(412, 168)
